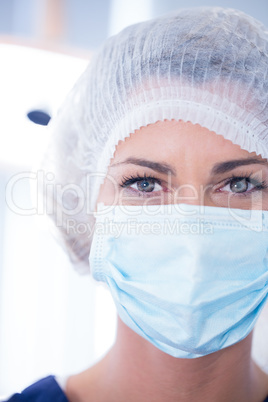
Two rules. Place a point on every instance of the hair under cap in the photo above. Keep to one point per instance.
(205, 65)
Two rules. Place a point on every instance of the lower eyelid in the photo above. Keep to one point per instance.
(136, 193)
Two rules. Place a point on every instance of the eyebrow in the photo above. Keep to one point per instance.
(158, 167)
(224, 167)
(165, 168)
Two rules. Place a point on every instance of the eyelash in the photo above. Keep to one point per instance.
(127, 181)
(249, 179)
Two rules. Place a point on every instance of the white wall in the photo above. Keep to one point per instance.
(51, 319)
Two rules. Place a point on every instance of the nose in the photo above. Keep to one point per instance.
(194, 193)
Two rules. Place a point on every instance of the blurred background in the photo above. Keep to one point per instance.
(52, 320)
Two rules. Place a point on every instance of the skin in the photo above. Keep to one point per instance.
(192, 152)
(198, 173)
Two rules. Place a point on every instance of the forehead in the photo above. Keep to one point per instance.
(167, 140)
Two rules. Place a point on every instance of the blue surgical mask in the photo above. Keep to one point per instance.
(191, 280)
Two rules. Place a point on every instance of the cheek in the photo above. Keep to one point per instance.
(265, 204)
(254, 201)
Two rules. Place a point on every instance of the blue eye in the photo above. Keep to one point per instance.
(142, 184)
(240, 185)
(146, 185)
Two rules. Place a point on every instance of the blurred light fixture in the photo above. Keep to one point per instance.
(39, 117)
(33, 84)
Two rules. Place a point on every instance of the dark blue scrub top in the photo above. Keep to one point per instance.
(45, 390)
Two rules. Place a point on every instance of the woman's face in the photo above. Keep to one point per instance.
(177, 162)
